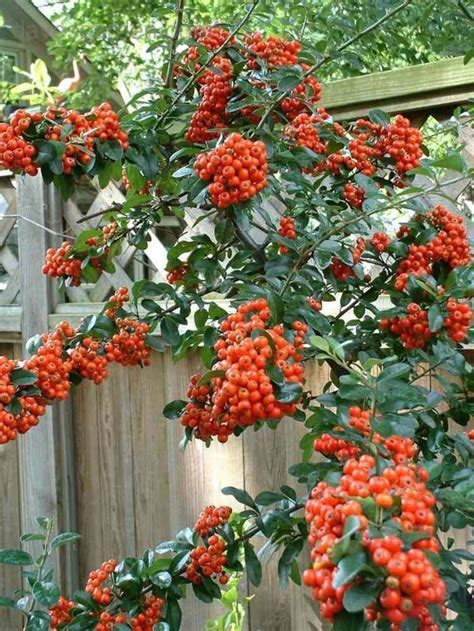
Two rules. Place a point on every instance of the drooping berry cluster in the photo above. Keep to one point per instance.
(128, 347)
(458, 320)
(236, 170)
(380, 241)
(66, 262)
(331, 446)
(208, 560)
(244, 394)
(287, 230)
(210, 117)
(61, 612)
(95, 582)
(16, 152)
(78, 132)
(400, 490)
(403, 144)
(304, 132)
(61, 353)
(353, 194)
(211, 517)
(414, 331)
(341, 270)
(60, 264)
(450, 246)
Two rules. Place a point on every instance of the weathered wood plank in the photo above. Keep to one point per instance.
(436, 83)
(9, 515)
(196, 477)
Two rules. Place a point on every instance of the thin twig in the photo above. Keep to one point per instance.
(330, 56)
(174, 42)
(38, 225)
(195, 75)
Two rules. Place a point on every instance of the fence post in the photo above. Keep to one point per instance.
(45, 458)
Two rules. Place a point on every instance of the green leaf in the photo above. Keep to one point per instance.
(170, 331)
(268, 497)
(348, 568)
(289, 392)
(209, 376)
(174, 409)
(64, 538)
(252, 564)
(161, 579)
(45, 152)
(360, 596)
(15, 557)
(345, 621)
(173, 614)
(453, 162)
(240, 495)
(435, 318)
(379, 117)
(46, 593)
(22, 377)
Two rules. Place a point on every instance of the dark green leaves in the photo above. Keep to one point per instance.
(46, 593)
(360, 596)
(252, 564)
(240, 495)
(348, 568)
(174, 409)
(379, 117)
(15, 557)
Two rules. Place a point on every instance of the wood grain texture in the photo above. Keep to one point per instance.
(196, 477)
(446, 77)
(9, 516)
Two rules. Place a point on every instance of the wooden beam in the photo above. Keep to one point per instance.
(432, 85)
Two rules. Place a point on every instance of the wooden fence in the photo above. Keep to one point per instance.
(106, 463)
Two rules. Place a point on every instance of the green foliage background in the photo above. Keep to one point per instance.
(127, 38)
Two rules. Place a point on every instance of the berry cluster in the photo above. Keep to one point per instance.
(353, 194)
(61, 612)
(78, 132)
(450, 246)
(412, 329)
(458, 320)
(237, 170)
(330, 446)
(210, 116)
(342, 271)
(177, 273)
(59, 263)
(95, 583)
(16, 152)
(380, 241)
(212, 517)
(245, 395)
(303, 132)
(307, 93)
(128, 347)
(329, 507)
(60, 353)
(211, 37)
(66, 262)
(208, 560)
(403, 143)
(87, 362)
(287, 230)
(275, 51)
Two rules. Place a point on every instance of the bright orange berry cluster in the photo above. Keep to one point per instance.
(327, 511)
(403, 143)
(353, 194)
(60, 613)
(458, 320)
(341, 270)
(128, 347)
(212, 517)
(287, 230)
(314, 303)
(380, 241)
(16, 152)
(237, 170)
(306, 94)
(330, 446)
(245, 394)
(304, 133)
(276, 51)
(116, 302)
(50, 367)
(210, 116)
(208, 560)
(95, 583)
(87, 362)
(59, 263)
(413, 329)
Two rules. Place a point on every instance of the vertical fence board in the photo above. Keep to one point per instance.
(196, 477)
(9, 515)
